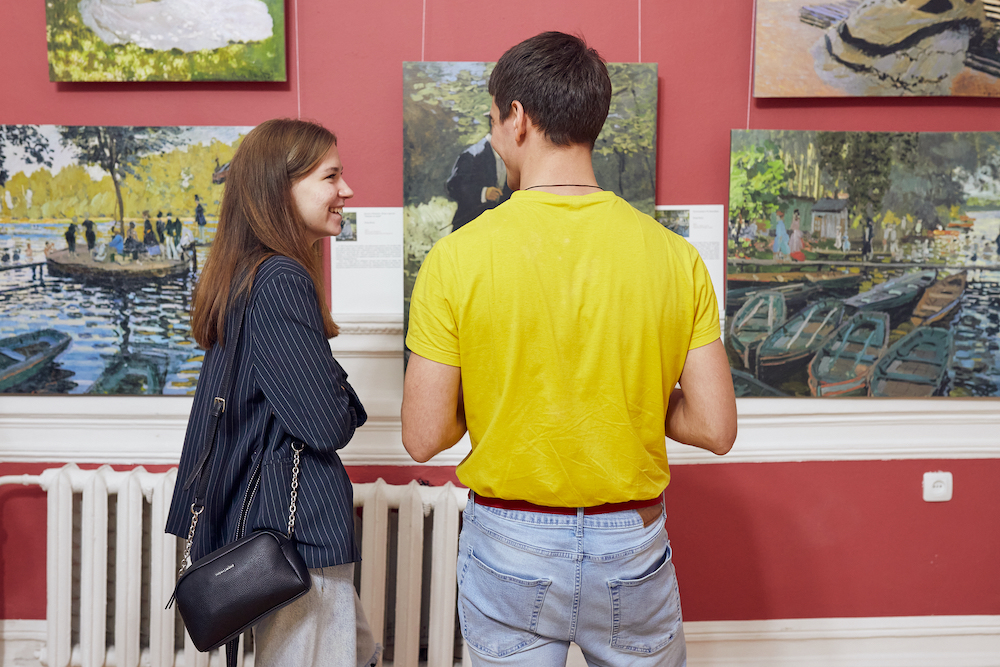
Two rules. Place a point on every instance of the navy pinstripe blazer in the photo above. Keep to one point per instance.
(286, 386)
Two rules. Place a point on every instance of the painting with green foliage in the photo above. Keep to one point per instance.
(446, 125)
(166, 40)
(103, 232)
(864, 264)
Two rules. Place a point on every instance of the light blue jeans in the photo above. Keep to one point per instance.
(530, 583)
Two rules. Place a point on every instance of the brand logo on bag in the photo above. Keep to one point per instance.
(225, 569)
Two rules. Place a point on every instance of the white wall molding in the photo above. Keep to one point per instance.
(914, 641)
(150, 429)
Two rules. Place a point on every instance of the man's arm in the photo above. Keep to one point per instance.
(702, 411)
(433, 412)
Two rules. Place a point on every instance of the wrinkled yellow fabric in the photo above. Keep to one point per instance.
(570, 318)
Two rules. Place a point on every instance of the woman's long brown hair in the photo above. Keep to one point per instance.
(258, 219)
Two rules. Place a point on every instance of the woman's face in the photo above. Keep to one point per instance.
(320, 196)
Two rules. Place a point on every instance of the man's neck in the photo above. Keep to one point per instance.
(561, 170)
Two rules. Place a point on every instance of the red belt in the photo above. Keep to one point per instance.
(525, 506)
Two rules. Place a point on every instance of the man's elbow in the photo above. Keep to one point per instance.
(420, 449)
(721, 440)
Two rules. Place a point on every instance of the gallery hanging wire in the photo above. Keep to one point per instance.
(640, 30)
(753, 41)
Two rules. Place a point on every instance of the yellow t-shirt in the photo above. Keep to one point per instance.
(571, 318)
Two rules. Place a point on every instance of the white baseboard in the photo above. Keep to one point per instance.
(917, 641)
(914, 641)
(21, 642)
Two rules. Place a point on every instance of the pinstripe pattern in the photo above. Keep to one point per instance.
(287, 386)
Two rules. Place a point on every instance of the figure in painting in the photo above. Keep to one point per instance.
(171, 237)
(70, 237)
(795, 244)
(199, 217)
(187, 25)
(780, 245)
(866, 240)
(891, 238)
(149, 240)
(478, 182)
(89, 234)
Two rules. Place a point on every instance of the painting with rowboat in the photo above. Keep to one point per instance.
(103, 232)
(864, 264)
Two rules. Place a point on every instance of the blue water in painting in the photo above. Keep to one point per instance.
(148, 320)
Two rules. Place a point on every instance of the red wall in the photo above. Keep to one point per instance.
(752, 541)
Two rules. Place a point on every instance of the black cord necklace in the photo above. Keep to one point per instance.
(563, 185)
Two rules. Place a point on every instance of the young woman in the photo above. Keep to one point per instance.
(285, 191)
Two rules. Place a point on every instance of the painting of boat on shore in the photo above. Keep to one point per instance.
(103, 231)
(862, 48)
(864, 264)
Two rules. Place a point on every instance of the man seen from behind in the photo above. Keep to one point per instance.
(559, 347)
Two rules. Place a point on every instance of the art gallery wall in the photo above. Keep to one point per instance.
(820, 515)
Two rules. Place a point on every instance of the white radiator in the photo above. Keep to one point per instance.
(110, 570)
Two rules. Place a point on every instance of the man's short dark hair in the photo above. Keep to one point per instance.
(562, 84)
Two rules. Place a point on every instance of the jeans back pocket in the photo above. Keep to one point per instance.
(646, 612)
(498, 612)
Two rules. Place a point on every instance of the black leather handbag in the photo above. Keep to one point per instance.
(225, 592)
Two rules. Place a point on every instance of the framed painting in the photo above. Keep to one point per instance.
(99, 251)
(166, 40)
(861, 48)
(864, 264)
(446, 131)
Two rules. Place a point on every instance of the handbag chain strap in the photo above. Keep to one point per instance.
(297, 448)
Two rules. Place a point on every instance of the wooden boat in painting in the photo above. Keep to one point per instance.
(940, 300)
(81, 266)
(843, 365)
(828, 280)
(136, 373)
(895, 296)
(760, 315)
(792, 345)
(746, 385)
(915, 366)
(796, 295)
(24, 356)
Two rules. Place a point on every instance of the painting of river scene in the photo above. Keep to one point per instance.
(103, 232)
(864, 264)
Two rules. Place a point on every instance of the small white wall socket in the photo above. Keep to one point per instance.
(937, 486)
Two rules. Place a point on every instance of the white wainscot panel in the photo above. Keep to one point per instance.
(150, 430)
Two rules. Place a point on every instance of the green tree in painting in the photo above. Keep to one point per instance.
(758, 181)
(630, 131)
(117, 150)
(860, 164)
(445, 113)
(33, 145)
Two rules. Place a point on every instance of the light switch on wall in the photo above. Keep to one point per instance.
(937, 486)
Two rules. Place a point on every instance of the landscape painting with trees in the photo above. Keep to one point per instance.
(103, 231)
(864, 264)
(166, 40)
(816, 48)
(451, 174)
